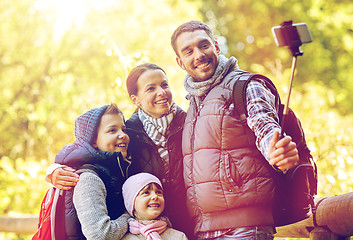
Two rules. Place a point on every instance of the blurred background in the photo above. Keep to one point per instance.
(60, 58)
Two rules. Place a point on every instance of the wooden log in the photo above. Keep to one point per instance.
(323, 233)
(335, 213)
(26, 224)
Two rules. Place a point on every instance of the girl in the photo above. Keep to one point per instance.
(144, 201)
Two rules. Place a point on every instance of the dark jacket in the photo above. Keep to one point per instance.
(82, 155)
(145, 158)
(229, 184)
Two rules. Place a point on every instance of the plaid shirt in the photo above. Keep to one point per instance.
(263, 121)
(263, 117)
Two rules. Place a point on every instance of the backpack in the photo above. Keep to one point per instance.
(53, 222)
(295, 189)
(51, 219)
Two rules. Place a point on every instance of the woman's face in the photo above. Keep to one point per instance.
(153, 96)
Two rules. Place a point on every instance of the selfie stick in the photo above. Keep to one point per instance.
(292, 39)
(286, 106)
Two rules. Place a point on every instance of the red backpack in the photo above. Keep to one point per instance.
(48, 215)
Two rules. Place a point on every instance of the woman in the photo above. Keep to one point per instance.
(155, 132)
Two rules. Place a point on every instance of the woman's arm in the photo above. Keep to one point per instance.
(61, 176)
(90, 204)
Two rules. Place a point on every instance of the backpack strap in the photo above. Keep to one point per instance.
(239, 92)
(239, 98)
(88, 168)
(57, 193)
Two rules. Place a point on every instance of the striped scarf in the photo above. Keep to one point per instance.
(157, 129)
(200, 89)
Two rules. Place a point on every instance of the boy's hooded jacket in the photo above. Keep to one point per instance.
(110, 167)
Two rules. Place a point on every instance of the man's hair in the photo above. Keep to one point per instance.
(190, 26)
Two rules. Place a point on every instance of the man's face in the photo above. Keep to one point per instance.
(198, 54)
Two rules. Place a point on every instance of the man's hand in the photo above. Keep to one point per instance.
(64, 178)
(283, 152)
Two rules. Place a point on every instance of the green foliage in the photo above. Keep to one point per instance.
(59, 58)
(323, 77)
(246, 26)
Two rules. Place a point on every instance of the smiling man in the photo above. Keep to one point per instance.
(229, 186)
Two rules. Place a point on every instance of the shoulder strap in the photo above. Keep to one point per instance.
(86, 167)
(239, 92)
(53, 224)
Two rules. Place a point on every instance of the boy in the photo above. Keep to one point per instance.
(100, 153)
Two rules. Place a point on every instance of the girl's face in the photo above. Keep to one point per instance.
(112, 135)
(149, 203)
(153, 96)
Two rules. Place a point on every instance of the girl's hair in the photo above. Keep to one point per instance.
(131, 81)
(149, 186)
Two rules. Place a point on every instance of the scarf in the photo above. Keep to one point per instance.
(157, 129)
(201, 89)
(151, 231)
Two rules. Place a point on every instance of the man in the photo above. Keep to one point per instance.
(229, 185)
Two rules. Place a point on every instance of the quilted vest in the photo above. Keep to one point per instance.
(106, 166)
(228, 182)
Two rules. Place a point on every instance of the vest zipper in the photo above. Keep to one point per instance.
(121, 169)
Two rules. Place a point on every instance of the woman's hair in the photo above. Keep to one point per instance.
(131, 81)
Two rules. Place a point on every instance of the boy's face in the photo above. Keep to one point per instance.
(112, 135)
(149, 203)
(197, 54)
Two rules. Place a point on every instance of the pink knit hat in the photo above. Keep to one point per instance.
(133, 185)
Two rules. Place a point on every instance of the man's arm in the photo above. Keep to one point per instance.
(263, 120)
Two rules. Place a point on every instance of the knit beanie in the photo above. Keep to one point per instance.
(86, 125)
(133, 185)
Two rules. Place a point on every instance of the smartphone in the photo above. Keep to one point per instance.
(302, 29)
